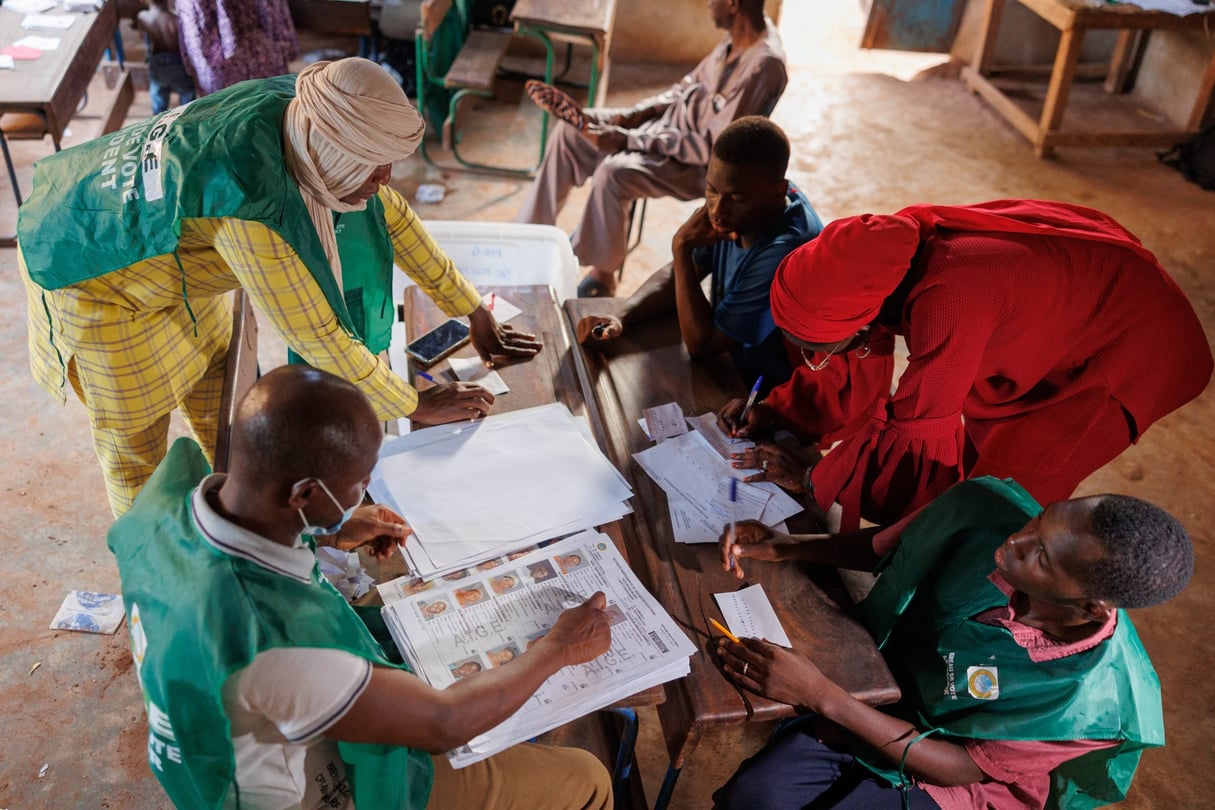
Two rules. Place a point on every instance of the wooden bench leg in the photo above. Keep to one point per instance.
(1066, 59)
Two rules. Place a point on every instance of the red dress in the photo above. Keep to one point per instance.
(1038, 357)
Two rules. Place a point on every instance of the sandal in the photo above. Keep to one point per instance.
(591, 287)
(558, 103)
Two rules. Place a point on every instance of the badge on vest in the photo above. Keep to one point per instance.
(983, 682)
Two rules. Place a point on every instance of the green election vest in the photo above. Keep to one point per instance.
(196, 615)
(971, 679)
(119, 199)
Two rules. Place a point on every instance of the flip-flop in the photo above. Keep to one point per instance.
(591, 287)
(557, 102)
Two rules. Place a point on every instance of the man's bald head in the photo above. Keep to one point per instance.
(299, 422)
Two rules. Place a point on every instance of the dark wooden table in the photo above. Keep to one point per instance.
(550, 377)
(649, 366)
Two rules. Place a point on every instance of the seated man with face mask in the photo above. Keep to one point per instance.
(263, 688)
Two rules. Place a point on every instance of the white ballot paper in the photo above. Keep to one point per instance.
(472, 491)
(502, 309)
(691, 473)
(664, 421)
(471, 369)
(39, 43)
(55, 22)
(749, 614)
(484, 620)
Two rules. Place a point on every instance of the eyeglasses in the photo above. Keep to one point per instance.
(825, 361)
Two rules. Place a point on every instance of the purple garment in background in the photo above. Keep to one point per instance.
(229, 41)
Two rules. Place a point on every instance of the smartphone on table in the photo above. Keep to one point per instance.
(439, 342)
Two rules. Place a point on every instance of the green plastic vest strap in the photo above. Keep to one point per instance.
(119, 199)
(970, 679)
(197, 615)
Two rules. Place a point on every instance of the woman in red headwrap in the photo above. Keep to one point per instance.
(1043, 337)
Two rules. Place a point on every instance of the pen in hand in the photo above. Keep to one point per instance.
(724, 631)
(733, 520)
(742, 417)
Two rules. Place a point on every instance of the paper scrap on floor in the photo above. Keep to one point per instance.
(486, 619)
(749, 614)
(664, 422)
(692, 473)
(472, 369)
(89, 612)
(473, 491)
(502, 309)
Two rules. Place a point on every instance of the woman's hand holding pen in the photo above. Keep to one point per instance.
(731, 421)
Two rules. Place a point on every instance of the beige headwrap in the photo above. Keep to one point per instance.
(347, 118)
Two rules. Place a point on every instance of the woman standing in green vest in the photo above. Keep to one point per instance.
(129, 243)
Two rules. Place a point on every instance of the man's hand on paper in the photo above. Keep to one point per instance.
(500, 344)
(759, 418)
(750, 539)
(377, 527)
(775, 464)
(582, 633)
(596, 329)
(452, 402)
(777, 673)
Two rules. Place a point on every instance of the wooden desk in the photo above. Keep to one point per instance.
(52, 85)
(649, 366)
(550, 377)
(1073, 18)
(589, 21)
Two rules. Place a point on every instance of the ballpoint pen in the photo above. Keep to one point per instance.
(742, 417)
(733, 519)
(426, 376)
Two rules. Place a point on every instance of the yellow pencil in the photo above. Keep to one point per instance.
(724, 631)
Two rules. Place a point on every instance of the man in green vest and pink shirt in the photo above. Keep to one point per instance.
(263, 687)
(1024, 683)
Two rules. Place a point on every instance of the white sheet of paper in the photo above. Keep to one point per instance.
(39, 43)
(6, 62)
(706, 425)
(502, 309)
(53, 22)
(749, 614)
(28, 6)
(749, 503)
(471, 369)
(664, 422)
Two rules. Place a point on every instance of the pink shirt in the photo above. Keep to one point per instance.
(1018, 770)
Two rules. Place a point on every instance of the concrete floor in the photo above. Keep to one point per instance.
(865, 138)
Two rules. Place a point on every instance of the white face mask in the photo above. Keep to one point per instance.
(336, 527)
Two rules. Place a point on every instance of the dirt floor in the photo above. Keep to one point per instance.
(866, 137)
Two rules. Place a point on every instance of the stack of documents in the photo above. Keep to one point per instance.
(476, 490)
(461, 626)
(694, 471)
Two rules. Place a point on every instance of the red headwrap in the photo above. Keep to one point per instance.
(833, 285)
(830, 287)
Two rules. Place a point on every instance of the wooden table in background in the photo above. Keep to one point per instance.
(1073, 18)
(649, 366)
(50, 87)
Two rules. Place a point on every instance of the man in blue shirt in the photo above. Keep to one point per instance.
(752, 218)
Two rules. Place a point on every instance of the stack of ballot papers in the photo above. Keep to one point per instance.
(476, 490)
(460, 626)
(694, 471)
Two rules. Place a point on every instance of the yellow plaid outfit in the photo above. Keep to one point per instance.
(128, 346)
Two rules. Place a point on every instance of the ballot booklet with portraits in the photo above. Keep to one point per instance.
(484, 617)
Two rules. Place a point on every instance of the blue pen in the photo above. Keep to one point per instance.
(426, 377)
(733, 516)
(742, 418)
